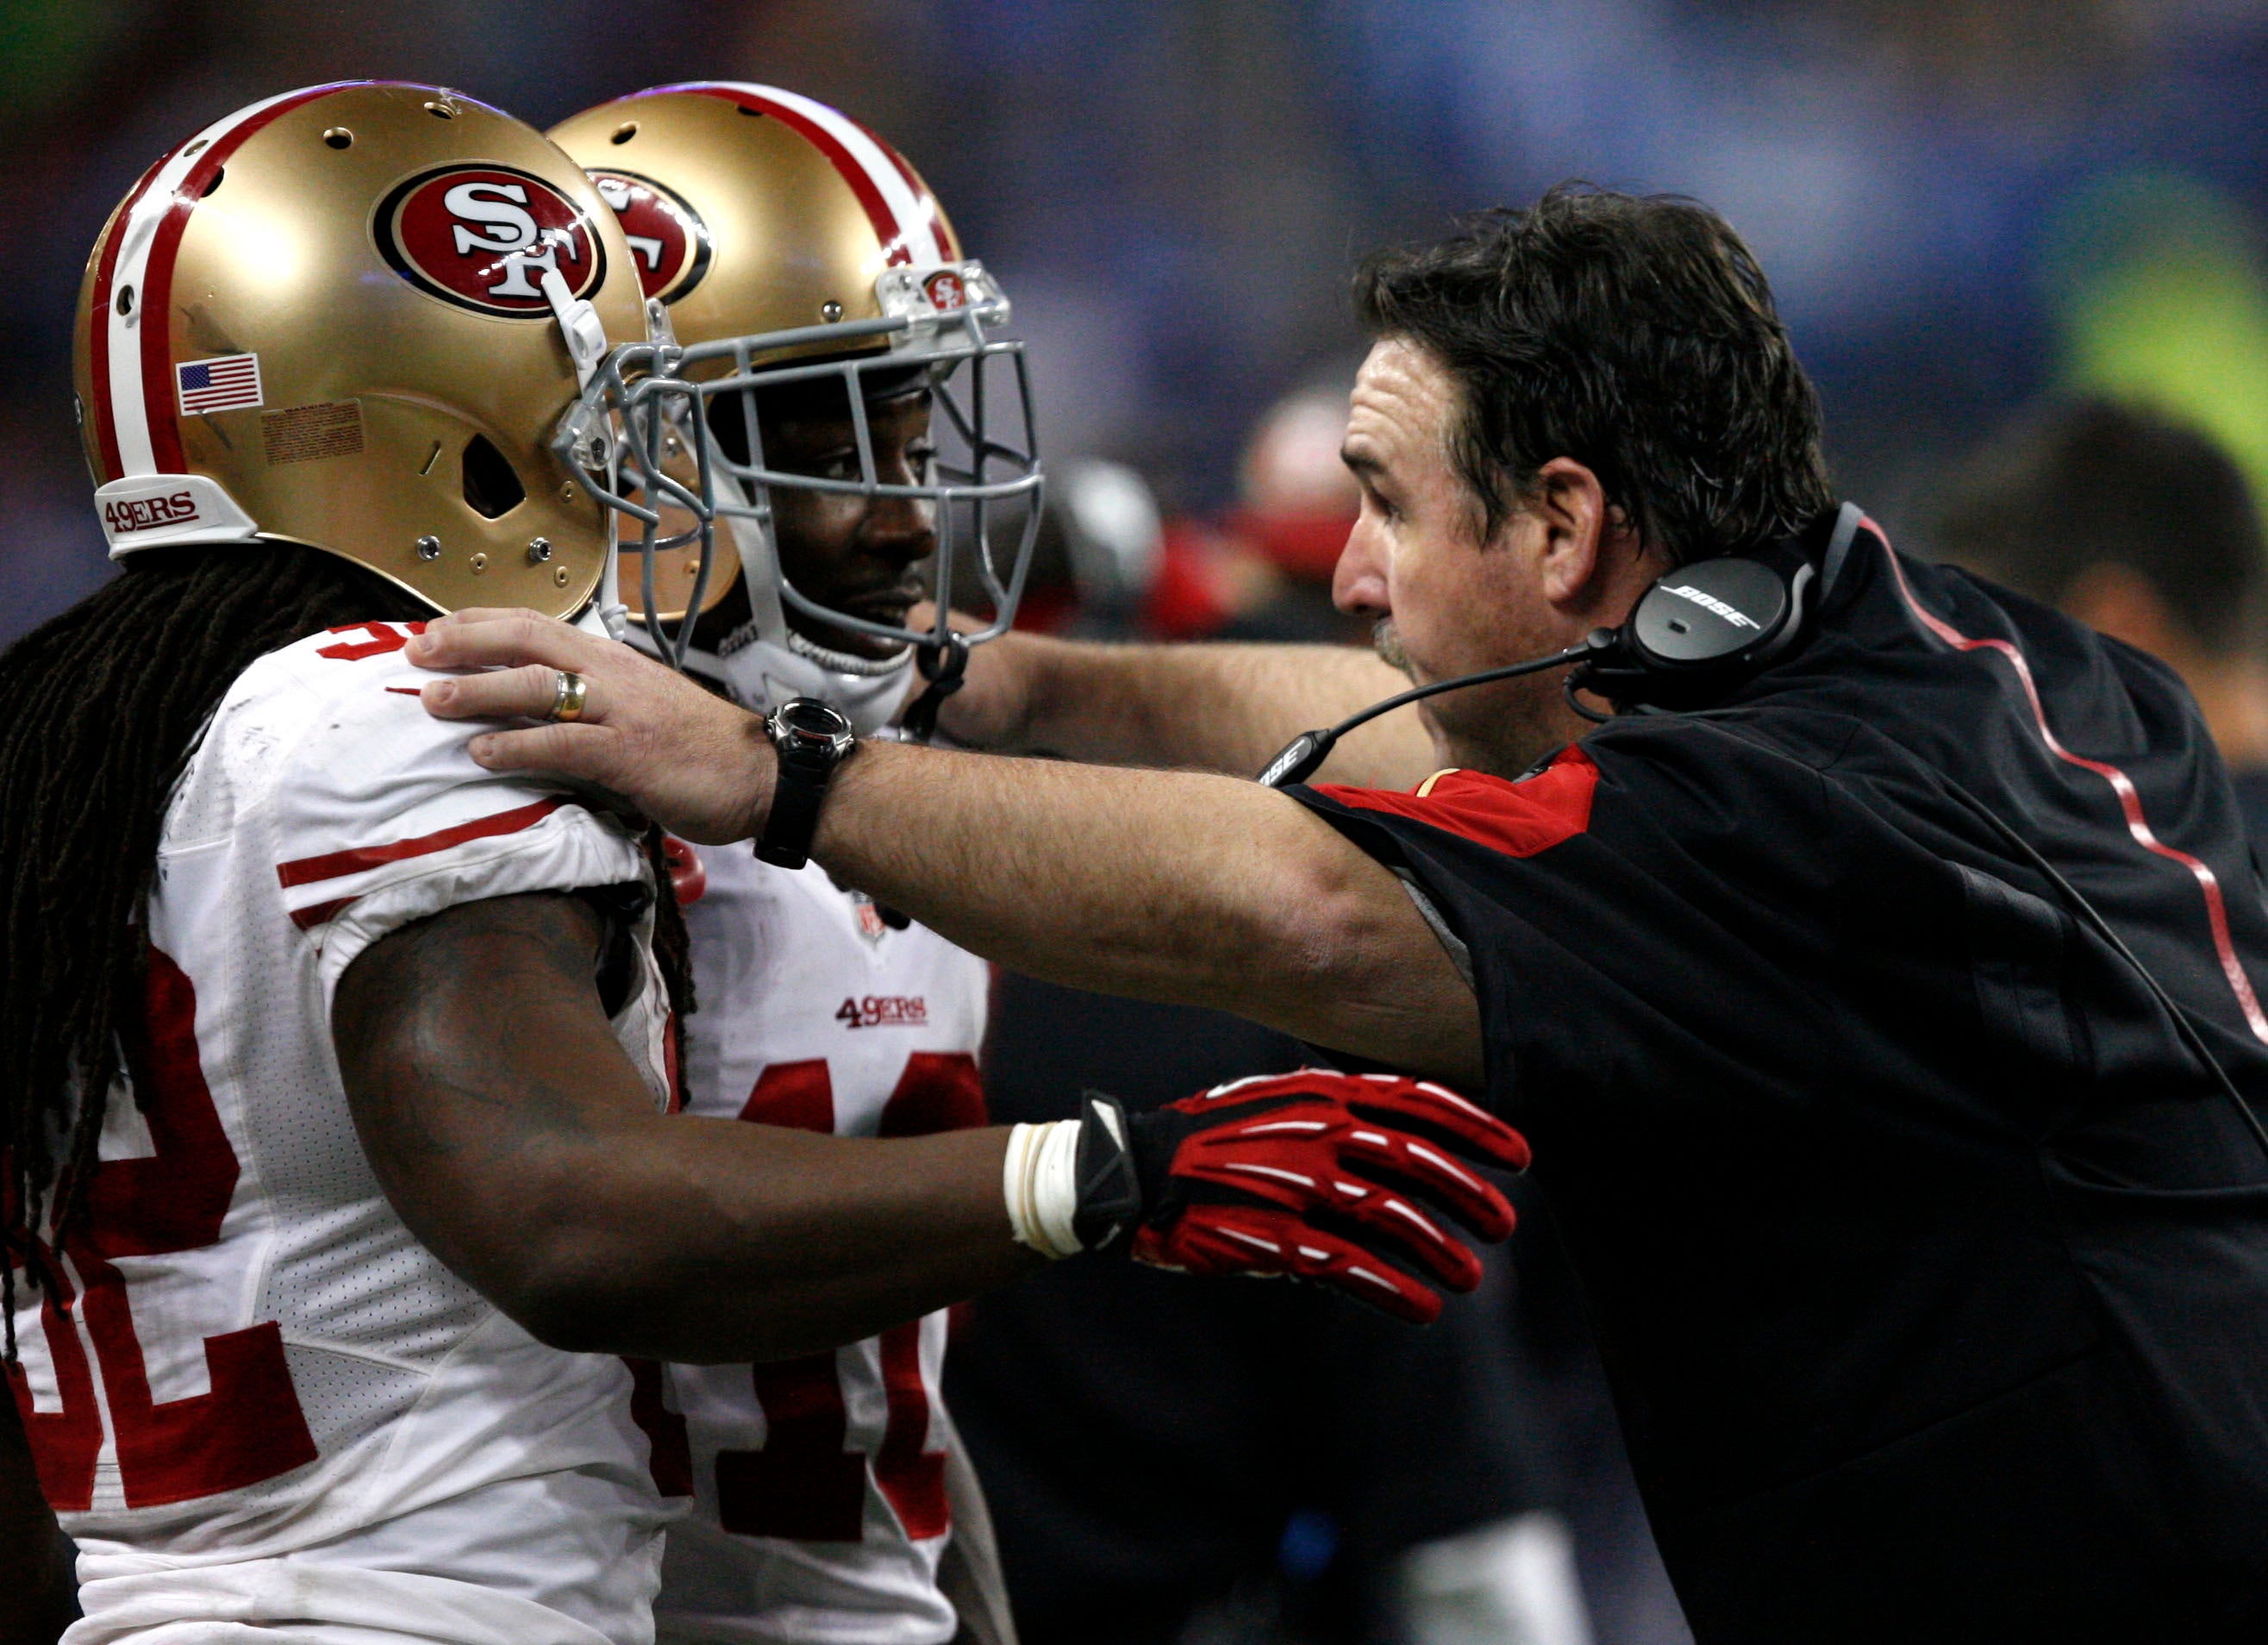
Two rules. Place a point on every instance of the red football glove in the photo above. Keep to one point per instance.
(1318, 1175)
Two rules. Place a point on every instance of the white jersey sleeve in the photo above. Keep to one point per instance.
(382, 818)
(257, 1399)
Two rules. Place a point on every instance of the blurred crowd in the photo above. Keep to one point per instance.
(1964, 203)
(2016, 241)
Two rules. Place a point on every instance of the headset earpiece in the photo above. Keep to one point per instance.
(1721, 614)
(1703, 628)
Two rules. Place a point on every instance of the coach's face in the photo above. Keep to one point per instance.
(1449, 602)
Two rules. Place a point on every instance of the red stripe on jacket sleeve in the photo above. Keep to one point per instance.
(1519, 819)
(334, 865)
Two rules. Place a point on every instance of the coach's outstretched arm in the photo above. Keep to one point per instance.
(1168, 885)
(1222, 706)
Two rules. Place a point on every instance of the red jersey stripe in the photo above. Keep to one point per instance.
(320, 913)
(335, 865)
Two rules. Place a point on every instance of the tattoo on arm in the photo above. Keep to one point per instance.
(521, 1145)
(398, 1003)
(473, 1046)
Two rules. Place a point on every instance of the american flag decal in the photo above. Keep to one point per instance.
(227, 382)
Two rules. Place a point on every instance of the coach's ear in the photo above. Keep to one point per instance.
(1591, 564)
(1566, 500)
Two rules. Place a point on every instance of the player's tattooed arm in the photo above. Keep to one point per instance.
(35, 1572)
(515, 1138)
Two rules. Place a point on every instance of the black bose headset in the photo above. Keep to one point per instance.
(1700, 631)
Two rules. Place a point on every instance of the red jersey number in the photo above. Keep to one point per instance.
(379, 638)
(248, 1426)
(804, 1486)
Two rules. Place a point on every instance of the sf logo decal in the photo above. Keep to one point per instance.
(483, 237)
(668, 237)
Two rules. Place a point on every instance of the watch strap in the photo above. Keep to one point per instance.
(797, 792)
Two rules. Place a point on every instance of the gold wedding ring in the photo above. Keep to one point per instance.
(567, 701)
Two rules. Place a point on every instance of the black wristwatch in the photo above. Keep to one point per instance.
(812, 738)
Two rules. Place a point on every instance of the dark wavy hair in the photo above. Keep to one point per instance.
(1635, 335)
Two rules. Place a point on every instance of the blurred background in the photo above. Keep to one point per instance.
(1969, 209)
(1962, 203)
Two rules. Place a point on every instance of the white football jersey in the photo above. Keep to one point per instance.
(818, 1484)
(267, 1411)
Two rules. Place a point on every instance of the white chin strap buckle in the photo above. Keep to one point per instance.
(586, 333)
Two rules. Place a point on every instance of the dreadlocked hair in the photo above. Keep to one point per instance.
(107, 703)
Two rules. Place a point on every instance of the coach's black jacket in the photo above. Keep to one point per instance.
(1931, 1270)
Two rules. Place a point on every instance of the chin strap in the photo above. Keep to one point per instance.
(580, 322)
(945, 664)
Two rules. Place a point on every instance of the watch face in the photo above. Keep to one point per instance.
(808, 717)
(808, 732)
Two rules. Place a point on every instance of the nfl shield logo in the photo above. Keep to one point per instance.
(871, 923)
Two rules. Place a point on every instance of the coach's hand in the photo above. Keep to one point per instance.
(694, 763)
(1317, 1174)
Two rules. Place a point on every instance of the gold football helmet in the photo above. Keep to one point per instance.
(351, 317)
(780, 242)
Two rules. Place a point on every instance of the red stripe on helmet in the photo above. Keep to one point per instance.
(884, 221)
(945, 248)
(157, 396)
(98, 323)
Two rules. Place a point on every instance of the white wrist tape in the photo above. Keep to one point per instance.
(1040, 1182)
